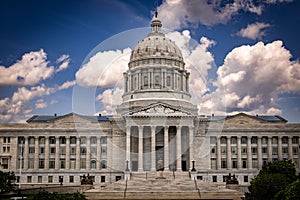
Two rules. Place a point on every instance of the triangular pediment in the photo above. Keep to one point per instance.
(159, 109)
(243, 118)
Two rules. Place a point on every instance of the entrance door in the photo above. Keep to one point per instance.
(184, 165)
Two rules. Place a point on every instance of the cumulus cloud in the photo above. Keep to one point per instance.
(181, 14)
(104, 69)
(254, 31)
(31, 69)
(11, 109)
(110, 98)
(253, 77)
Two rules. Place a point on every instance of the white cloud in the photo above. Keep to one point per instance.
(182, 13)
(64, 62)
(31, 69)
(109, 99)
(254, 31)
(104, 69)
(11, 109)
(253, 77)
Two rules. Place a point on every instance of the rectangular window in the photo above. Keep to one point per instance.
(29, 179)
(233, 150)
(42, 150)
(254, 150)
(52, 163)
(223, 163)
(6, 140)
(245, 179)
(295, 151)
(40, 179)
(50, 179)
(214, 178)
(73, 150)
(244, 163)
(4, 163)
(285, 150)
(41, 163)
(223, 150)
(72, 163)
(213, 150)
(234, 163)
(254, 163)
(82, 150)
(31, 150)
(244, 150)
(295, 140)
(62, 163)
(62, 151)
(71, 179)
(30, 163)
(264, 150)
(93, 152)
(62, 140)
(102, 179)
(103, 140)
(82, 163)
(213, 163)
(52, 150)
(265, 161)
(118, 178)
(103, 152)
(274, 150)
(93, 140)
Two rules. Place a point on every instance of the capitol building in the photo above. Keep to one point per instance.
(156, 127)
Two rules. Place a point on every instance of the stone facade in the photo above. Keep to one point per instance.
(156, 128)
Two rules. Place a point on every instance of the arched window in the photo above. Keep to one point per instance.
(93, 164)
(145, 80)
(168, 81)
(157, 80)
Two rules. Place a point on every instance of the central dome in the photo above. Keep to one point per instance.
(156, 49)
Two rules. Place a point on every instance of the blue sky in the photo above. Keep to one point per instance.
(43, 45)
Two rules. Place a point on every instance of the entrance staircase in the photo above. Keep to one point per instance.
(175, 186)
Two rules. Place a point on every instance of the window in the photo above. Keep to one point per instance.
(274, 150)
(295, 140)
(30, 163)
(224, 178)
(40, 179)
(213, 140)
(156, 79)
(52, 150)
(103, 140)
(213, 163)
(62, 163)
(234, 163)
(4, 163)
(233, 150)
(253, 140)
(214, 178)
(6, 140)
(50, 179)
(62, 140)
(6, 149)
(62, 151)
(29, 179)
(264, 140)
(102, 179)
(295, 150)
(52, 140)
(285, 150)
(72, 163)
(284, 140)
(93, 164)
(71, 179)
(244, 140)
(41, 163)
(82, 150)
(72, 140)
(254, 150)
(213, 150)
(51, 163)
(244, 150)
(103, 152)
(103, 164)
(223, 150)
(274, 140)
(168, 81)
(82, 140)
(233, 140)
(223, 140)
(244, 163)
(93, 152)
(31, 150)
(264, 150)
(73, 151)
(223, 163)
(82, 163)
(145, 80)
(118, 178)
(254, 163)
(265, 161)
(42, 140)
(42, 150)
(31, 140)
(93, 140)
(246, 179)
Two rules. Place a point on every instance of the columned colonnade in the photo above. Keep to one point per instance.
(150, 148)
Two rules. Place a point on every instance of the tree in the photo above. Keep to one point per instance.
(6, 181)
(291, 192)
(272, 179)
(44, 195)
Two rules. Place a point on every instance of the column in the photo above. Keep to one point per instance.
(187, 82)
(166, 148)
(229, 153)
(279, 147)
(128, 146)
(173, 83)
(178, 147)
(129, 82)
(290, 146)
(249, 153)
(25, 153)
(259, 152)
(46, 152)
(77, 153)
(269, 148)
(191, 143)
(67, 152)
(140, 155)
(56, 152)
(153, 150)
(239, 153)
(36, 152)
(88, 152)
(98, 160)
(218, 153)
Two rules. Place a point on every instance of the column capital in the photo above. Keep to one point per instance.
(270, 137)
(36, 137)
(239, 137)
(279, 136)
(140, 127)
(259, 137)
(179, 126)
(67, 137)
(57, 137)
(249, 136)
(290, 137)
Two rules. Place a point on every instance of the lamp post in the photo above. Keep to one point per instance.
(193, 166)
